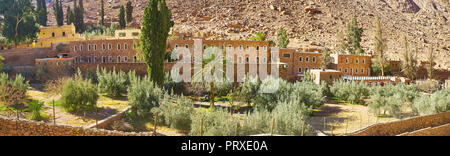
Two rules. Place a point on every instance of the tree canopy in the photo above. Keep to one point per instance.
(19, 20)
(156, 25)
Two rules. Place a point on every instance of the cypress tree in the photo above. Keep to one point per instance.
(102, 13)
(78, 16)
(81, 18)
(69, 16)
(122, 22)
(156, 26)
(42, 12)
(58, 11)
(354, 34)
(129, 12)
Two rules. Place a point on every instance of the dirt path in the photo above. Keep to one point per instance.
(107, 107)
(335, 118)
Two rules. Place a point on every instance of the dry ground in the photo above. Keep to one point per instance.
(335, 118)
(106, 107)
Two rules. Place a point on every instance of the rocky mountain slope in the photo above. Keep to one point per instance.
(309, 22)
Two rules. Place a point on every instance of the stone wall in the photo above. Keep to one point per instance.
(26, 57)
(407, 125)
(443, 130)
(103, 124)
(11, 127)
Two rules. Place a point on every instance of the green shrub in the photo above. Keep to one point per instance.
(143, 95)
(354, 92)
(390, 98)
(170, 85)
(35, 108)
(91, 75)
(217, 122)
(42, 74)
(221, 88)
(308, 93)
(79, 95)
(174, 111)
(268, 101)
(289, 118)
(12, 91)
(114, 84)
(258, 122)
(436, 103)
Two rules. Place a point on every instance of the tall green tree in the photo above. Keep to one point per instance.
(259, 36)
(282, 38)
(69, 16)
(79, 16)
(102, 13)
(380, 46)
(42, 12)
(19, 22)
(155, 29)
(354, 34)
(122, 22)
(58, 11)
(129, 12)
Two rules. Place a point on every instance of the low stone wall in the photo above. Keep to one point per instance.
(443, 130)
(103, 124)
(406, 125)
(11, 127)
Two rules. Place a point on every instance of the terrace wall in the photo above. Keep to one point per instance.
(409, 125)
(12, 127)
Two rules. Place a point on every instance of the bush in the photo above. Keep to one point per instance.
(428, 86)
(258, 122)
(170, 85)
(12, 92)
(268, 101)
(35, 108)
(91, 75)
(79, 95)
(54, 87)
(391, 98)
(221, 88)
(114, 84)
(143, 95)
(42, 74)
(354, 92)
(217, 122)
(436, 103)
(289, 117)
(174, 111)
(308, 93)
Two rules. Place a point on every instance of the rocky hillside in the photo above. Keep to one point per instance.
(309, 22)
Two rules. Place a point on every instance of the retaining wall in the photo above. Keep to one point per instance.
(408, 125)
(12, 127)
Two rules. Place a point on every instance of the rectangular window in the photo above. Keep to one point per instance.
(118, 46)
(95, 47)
(118, 59)
(125, 46)
(89, 59)
(103, 59)
(134, 59)
(95, 59)
(287, 55)
(125, 59)
(89, 47)
(103, 47)
(109, 46)
(109, 59)
(300, 70)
